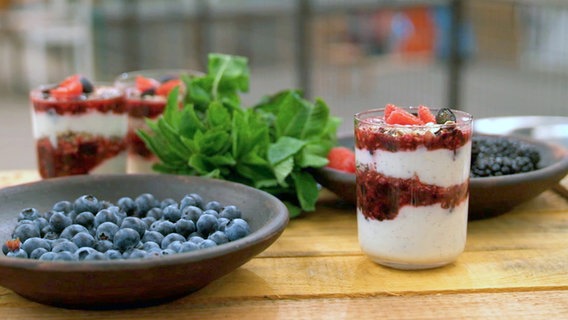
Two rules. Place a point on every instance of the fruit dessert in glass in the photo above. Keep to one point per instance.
(146, 94)
(79, 128)
(412, 184)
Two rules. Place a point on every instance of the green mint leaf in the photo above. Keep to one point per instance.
(283, 169)
(306, 189)
(284, 148)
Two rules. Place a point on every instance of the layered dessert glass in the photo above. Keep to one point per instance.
(79, 128)
(412, 187)
(146, 94)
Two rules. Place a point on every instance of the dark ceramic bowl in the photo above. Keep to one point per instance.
(489, 197)
(136, 282)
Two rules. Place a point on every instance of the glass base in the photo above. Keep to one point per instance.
(410, 266)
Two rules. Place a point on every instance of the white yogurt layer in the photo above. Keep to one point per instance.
(418, 236)
(441, 167)
(115, 164)
(49, 124)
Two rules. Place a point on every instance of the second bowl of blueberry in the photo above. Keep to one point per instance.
(119, 241)
(505, 172)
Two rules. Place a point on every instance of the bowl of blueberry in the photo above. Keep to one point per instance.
(120, 241)
(506, 171)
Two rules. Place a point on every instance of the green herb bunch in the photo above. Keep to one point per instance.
(271, 146)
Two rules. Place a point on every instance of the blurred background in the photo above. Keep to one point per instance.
(488, 57)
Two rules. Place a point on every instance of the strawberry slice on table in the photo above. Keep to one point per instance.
(70, 87)
(165, 88)
(144, 84)
(426, 115)
(403, 117)
(341, 158)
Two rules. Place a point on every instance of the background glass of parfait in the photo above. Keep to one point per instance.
(412, 185)
(79, 128)
(146, 96)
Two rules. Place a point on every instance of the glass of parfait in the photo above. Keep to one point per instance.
(146, 93)
(412, 184)
(79, 127)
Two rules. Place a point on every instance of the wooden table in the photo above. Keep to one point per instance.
(515, 266)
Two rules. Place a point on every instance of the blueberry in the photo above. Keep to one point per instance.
(207, 243)
(19, 253)
(125, 239)
(86, 84)
(196, 239)
(171, 238)
(113, 254)
(87, 203)
(105, 215)
(192, 213)
(444, 115)
(187, 201)
(152, 236)
(155, 213)
(207, 224)
(144, 203)
(213, 205)
(167, 252)
(62, 246)
(219, 237)
(168, 202)
(164, 227)
(211, 212)
(175, 245)
(106, 231)
(222, 223)
(72, 230)
(127, 205)
(134, 223)
(96, 256)
(62, 206)
(83, 239)
(151, 246)
(86, 219)
(28, 214)
(33, 243)
(41, 223)
(103, 245)
(198, 199)
(236, 229)
(26, 231)
(172, 213)
(59, 221)
(65, 256)
(188, 246)
(48, 256)
(83, 252)
(230, 212)
(185, 227)
(5, 249)
(135, 254)
(37, 253)
(148, 221)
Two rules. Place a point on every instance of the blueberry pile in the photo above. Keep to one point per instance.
(498, 156)
(144, 227)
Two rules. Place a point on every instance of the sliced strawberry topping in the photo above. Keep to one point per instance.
(145, 84)
(389, 108)
(70, 87)
(426, 115)
(341, 158)
(403, 117)
(165, 88)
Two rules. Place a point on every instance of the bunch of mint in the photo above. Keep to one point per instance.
(271, 146)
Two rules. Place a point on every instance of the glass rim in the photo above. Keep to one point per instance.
(127, 76)
(463, 118)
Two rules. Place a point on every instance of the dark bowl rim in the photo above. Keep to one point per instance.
(274, 226)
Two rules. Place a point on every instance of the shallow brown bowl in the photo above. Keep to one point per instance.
(489, 197)
(136, 282)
